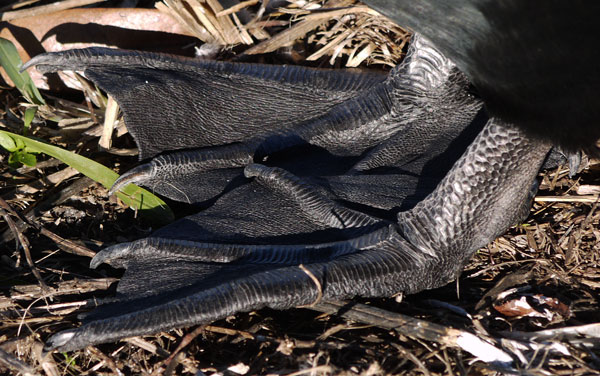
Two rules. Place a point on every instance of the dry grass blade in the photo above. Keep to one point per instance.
(237, 7)
(584, 198)
(208, 21)
(148, 346)
(356, 60)
(359, 34)
(110, 119)
(297, 31)
(29, 292)
(558, 248)
(334, 44)
(285, 38)
(177, 10)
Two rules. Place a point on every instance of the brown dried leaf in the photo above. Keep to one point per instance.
(536, 305)
(142, 29)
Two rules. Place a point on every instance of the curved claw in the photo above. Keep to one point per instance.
(40, 60)
(139, 174)
(54, 61)
(59, 340)
(113, 256)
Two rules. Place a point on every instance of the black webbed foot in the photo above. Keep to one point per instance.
(284, 240)
(174, 103)
(425, 100)
(207, 281)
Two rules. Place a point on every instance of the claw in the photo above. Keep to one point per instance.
(60, 339)
(139, 174)
(39, 60)
(51, 62)
(113, 256)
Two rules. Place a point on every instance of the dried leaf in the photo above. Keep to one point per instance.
(142, 29)
(536, 305)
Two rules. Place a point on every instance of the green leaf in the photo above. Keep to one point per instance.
(13, 160)
(26, 158)
(28, 118)
(7, 142)
(20, 144)
(11, 62)
(156, 209)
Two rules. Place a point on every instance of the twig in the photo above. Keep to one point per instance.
(184, 342)
(421, 329)
(506, 263)
(228, 331)
(4, 211)
(106, 359)
(64, 244)
(15, 364)
(317, 284)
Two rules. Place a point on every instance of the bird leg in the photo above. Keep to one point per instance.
(243, 253)
(428, 246)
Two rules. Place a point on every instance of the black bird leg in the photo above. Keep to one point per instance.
(296, 232)
(428, 246)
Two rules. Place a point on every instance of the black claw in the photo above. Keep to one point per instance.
(114, 256)
(39, 61)
(60, 340)
(137, 175)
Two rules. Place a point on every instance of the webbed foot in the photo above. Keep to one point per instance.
(281, 241)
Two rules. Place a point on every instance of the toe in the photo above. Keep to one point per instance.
(138, 175)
